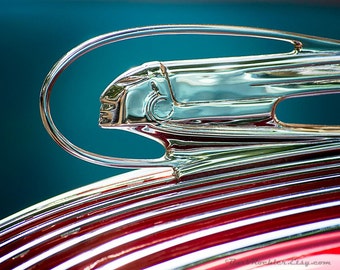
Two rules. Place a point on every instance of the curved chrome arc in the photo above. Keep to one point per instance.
(309, 43)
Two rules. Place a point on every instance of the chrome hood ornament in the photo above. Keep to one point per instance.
(200, 108)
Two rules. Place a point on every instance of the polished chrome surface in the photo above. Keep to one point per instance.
(205, 102)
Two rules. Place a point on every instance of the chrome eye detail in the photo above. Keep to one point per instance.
(159, 107)
(162, 108)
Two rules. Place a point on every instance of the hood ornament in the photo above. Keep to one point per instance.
(208, 112)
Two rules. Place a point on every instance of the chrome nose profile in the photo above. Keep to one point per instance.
(110, 105)
(109, 115)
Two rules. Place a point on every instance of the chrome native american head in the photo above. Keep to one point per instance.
(221, 93)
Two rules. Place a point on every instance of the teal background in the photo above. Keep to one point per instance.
(35, 34)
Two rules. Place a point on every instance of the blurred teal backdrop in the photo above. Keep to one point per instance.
(35, 34)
